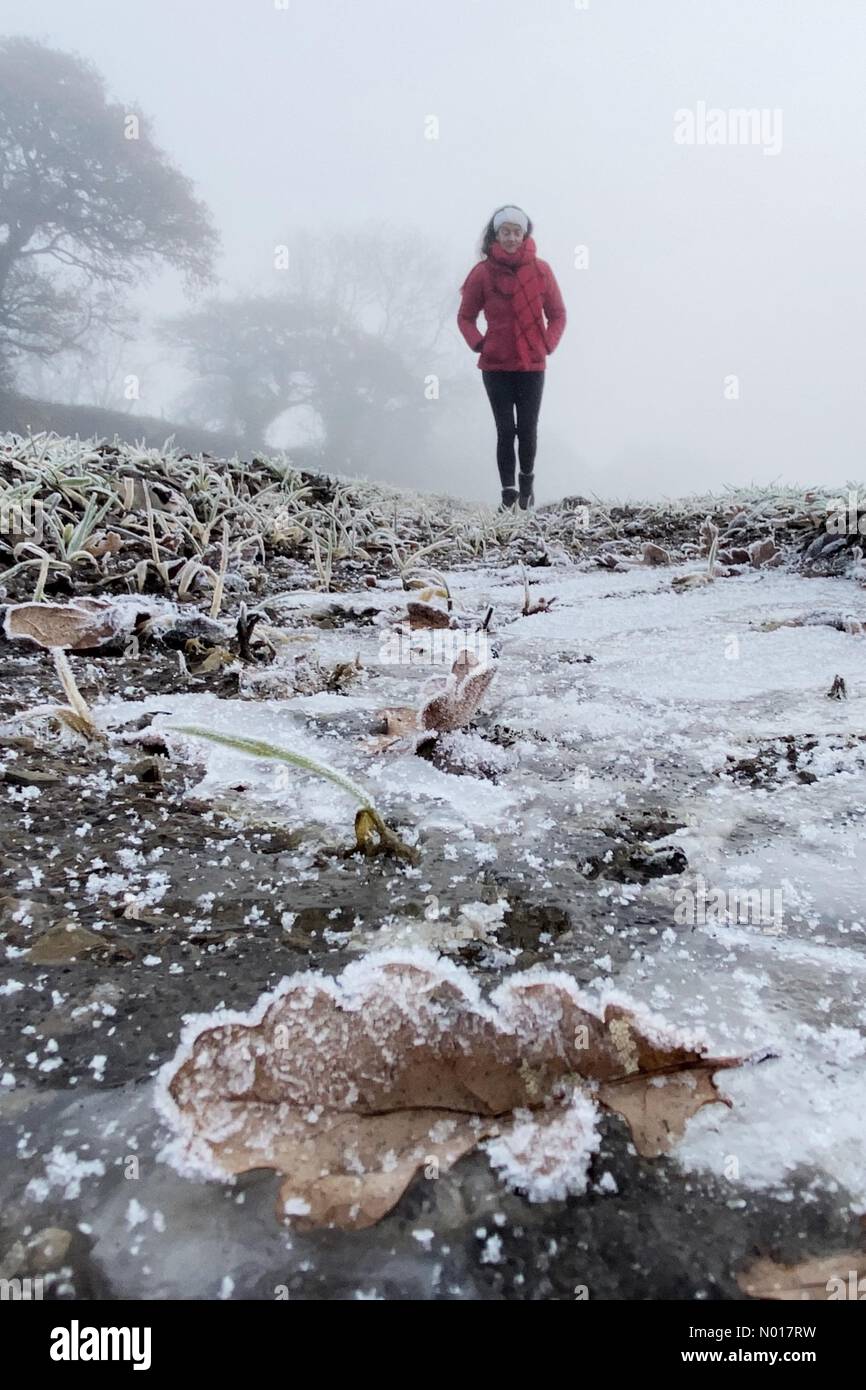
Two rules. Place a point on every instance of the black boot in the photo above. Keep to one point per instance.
(509, 497)
(527, 495)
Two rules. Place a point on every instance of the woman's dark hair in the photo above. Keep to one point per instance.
(488, 236)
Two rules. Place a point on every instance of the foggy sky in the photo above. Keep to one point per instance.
(705, 262)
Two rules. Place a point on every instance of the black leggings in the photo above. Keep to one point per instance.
(509, 391)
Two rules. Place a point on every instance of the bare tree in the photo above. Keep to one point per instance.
(91, 373)
(255, 357)
(88, 203)
(251, 359)
(393, 283)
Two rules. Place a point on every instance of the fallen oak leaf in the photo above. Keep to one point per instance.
(658, 1120)
(609, 561)
(463, 664)
(454, 706)
(448, 708)
(348, 1086)
(697, 581)
(77, 626)
(61, 944)
(400, 719)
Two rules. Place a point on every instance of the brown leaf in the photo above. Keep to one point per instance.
(657, 1111)
(463, 663)
(617, 563)
(60, 944)
(763, 553)
(216, 660)
(426, 615)
(454, 706)
(104, 544)
(400, 722)
(825, 1278)
(76, 626)
(348, 1087)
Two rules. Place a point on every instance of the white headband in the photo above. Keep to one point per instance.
(511, 215)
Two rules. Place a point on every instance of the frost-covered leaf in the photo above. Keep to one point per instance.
(350, 1086)
(764, 553)
(618, 563)
(699, 581)
(76, 626)
(454, 706)
(657, 1114)
(450, 707)
(400, 722)
(104, 543)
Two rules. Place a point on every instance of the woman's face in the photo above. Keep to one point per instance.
(509, 236)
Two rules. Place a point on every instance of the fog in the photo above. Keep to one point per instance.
(714, 290)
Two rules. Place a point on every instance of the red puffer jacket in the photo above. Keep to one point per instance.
(499, 354)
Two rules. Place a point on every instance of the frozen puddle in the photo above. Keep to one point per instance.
(678, 684)
(803, 1109)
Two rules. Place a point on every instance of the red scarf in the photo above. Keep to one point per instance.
(517, 274)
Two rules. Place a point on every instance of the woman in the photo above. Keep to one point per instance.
(513, 287)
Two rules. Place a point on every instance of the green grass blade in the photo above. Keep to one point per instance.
(257, 748)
